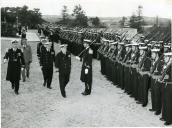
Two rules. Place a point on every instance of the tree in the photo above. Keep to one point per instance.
(80, 17)
(122, 21)
(65, 15)
(136, 21)
(95, 21)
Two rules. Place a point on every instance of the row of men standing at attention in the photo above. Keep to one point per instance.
(62, 61)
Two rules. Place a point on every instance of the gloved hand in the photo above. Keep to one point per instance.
(77, 57)
(5, 60)
(22, 69)
(86, 71)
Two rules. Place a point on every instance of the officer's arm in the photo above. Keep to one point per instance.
(22, 60)
(6, 55)
(30, 54)
(57, 61)
(89, 59)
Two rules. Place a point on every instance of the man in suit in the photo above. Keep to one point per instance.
(27, 53)
(15, 64)
(86, 71)
(63, 63)
(46, 62)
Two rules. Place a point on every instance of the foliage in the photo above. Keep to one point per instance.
(21, 16)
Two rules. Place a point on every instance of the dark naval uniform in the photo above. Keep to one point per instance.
(86, 71)
(63, 63)
(15, 62)
(46, 61)
(166, 83)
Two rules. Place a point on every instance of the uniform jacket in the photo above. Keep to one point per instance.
(47, 57)
(87, 64)
(63, 62)
(27, 53)
(15, 62)
(39, 45)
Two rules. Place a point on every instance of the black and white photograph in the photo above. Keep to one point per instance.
(86, 63)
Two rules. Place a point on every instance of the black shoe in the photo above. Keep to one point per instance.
(138, 102)
(44, 84)
(17, 93)
(162, 119)
(24, 80)
(64, 96)
(84, 93)
(12, 86)
(151, 110)
(157, 113)
(49, 87)
(144, 105)
(167, 123)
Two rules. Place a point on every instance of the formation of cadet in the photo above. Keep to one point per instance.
(140, 66)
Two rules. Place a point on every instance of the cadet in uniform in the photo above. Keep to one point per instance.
(15, 65)
(156, 68)
(86, 71)
(166, 83)
(63, 63)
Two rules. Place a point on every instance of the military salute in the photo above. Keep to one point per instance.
(86, 71)
(16, 63)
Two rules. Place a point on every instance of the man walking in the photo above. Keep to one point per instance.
(63, 63)
(46, 62)
(27, 53)
(15, 64)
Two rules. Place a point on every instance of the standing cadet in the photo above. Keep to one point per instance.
(86, 72)
(15, 65)
(27, 53)
(46, 62)
(166, 83)
(63, 63)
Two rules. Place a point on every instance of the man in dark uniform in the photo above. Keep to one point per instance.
(15, 65)
(46, 62)
(166, 82)
(156, 68)
(144, 66)
(63, 63)
(39, 46)
(86, 72)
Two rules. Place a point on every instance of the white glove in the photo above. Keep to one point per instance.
(5, 60)
(77, 57)
(86, 71)
(22, 69)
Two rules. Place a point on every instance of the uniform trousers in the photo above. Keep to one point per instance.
(48, 75)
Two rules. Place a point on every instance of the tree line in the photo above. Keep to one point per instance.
(13, 17)
(78, 18)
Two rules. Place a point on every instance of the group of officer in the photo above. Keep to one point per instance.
(137, 67)
(62, 61)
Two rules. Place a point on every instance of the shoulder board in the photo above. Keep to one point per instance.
(90, 51)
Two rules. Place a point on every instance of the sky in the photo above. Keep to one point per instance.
(100, 8)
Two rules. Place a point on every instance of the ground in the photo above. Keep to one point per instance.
(39, 107)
